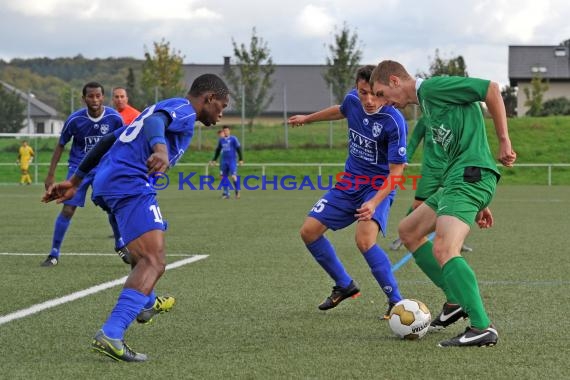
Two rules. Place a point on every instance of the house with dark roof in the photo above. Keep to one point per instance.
(551, 63)
(39, 117)
(297, 89)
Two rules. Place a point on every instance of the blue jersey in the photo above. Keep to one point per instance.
(374, 140)
(229, 146)
(123, 171)
(87, 131)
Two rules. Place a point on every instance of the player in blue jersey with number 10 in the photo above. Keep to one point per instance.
(85, 127)
(123, 185)
(376, 147)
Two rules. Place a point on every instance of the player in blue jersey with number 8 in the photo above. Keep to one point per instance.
(130, 159)
(377, 147)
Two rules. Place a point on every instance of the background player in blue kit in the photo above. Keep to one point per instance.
(376, 146)
(123, 185)
(230, 148)
(85, 126)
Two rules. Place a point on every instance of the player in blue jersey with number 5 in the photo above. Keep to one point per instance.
(85, 127)
(376, 147)
(229, 146)
(123, 185)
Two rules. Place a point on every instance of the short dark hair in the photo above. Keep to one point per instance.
(93, 85)
(209, 82)
(363, 73)
(226, 127)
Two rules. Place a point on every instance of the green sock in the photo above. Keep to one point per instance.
(429, 265)
(461, 279)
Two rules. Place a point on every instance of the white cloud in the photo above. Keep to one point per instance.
(113, 10)
(314, 21)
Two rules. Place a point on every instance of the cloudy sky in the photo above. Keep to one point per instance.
(296, 31)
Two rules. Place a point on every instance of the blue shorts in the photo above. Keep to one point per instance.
(336, 208)
(228, 168)
(78, 199)
(135, 215)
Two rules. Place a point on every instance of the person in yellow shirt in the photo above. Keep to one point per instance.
(25, 157)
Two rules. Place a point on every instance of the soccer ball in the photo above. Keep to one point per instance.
(409, 319)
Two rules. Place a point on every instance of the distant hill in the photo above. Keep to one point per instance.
(50, 80)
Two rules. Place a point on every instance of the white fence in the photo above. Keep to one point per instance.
(319, 166)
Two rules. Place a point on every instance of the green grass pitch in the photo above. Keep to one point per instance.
(249, 309)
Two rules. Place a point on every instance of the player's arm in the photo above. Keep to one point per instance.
(55, 157)
(239, 152)
(417, 136)
(330, 113)
(496, 108)
(366, 211)
(216, 153)
(154, 129)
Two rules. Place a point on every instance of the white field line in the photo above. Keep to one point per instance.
(84, 293)
(84, 254)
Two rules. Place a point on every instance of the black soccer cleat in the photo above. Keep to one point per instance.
(116, 349)
(386, 315)
(473, 337)
(339, 294)
(50, 261)
(450, 314)
(124, 254)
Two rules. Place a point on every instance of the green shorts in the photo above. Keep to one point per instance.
(464, 196)
(429, 184)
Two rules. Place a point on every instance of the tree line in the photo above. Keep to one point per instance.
(57, 82)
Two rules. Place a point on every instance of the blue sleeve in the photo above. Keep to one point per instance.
(66, 133)
(154, 127)
(397, 139)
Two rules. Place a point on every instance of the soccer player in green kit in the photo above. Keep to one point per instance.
(433, 164)
(452, 112)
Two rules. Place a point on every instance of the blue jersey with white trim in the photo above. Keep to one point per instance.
(374, 140)
(229, 147)
(86, 131)
(123, 171)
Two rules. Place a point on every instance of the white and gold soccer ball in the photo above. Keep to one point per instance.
(410, 319)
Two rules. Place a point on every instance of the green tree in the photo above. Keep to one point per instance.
(556, 106)
(510, 99)
(344, 59)
(134, 93)
(534, 95)
(69, 100)
(439, 66)
(252, 71)
(12, 111)
(162, 73)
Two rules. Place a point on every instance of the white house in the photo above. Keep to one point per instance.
(40, 118)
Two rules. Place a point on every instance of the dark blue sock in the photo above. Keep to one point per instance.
(381, 269)
(129, 304)
(61, 226)
(119, 243)
(150, 300)
(323, 251)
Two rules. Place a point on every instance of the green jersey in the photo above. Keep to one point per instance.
(434, 158)
(451, 109)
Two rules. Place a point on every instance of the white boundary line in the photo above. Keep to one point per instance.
(84, 293)
(85, 254)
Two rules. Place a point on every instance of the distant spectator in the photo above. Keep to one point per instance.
(25, 157)
(121, 104)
